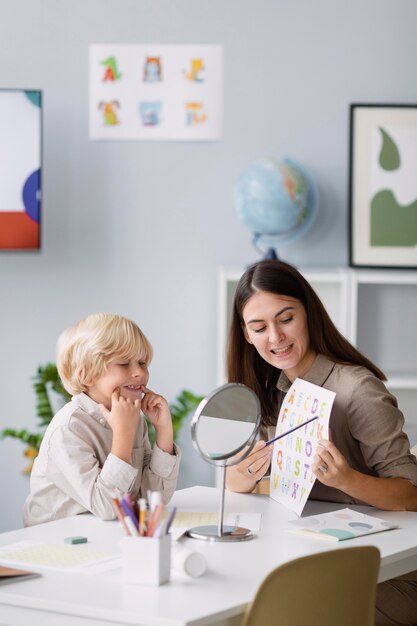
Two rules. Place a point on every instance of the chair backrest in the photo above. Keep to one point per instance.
(334, 588)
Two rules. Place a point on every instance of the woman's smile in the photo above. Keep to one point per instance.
(277, 327)
(282, 351)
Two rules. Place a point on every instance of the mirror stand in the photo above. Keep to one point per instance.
(220, 532)
(223, 430)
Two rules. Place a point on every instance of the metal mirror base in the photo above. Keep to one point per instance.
(211, 533)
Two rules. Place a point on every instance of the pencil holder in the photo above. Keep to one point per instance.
(146, 560)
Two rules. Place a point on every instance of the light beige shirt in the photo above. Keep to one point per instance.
(365, 424)
(75, 471)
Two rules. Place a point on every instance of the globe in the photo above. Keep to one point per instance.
(277, 201)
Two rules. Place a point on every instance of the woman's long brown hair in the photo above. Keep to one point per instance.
(245, 365)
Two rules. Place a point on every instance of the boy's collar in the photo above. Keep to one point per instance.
(90, 406)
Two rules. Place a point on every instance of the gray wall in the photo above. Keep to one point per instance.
(142, 228)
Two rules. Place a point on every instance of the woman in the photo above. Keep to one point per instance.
(281, 331)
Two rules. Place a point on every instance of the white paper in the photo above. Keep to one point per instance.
(185, 520)
(54, 556)
(291, 475)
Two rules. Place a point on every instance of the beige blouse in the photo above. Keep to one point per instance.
(75, 471)
(365, 425)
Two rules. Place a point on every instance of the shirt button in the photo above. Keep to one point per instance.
(101, 420)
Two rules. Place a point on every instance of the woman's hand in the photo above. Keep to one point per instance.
(156, 409)
(243, 476)
(331, 467)
(390, 494)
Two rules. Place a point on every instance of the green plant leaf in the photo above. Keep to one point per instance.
(31, 439)
(45, 380)
(184, 404)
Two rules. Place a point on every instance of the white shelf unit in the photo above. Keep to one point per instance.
(375, 309)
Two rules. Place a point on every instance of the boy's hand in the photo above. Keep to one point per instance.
(123, 418)
(156, 409)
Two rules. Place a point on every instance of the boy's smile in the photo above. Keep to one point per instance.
(130, 377)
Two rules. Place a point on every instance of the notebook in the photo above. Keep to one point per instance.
(339, 525)
(12, 575)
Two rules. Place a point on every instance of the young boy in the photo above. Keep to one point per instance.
(96, 447)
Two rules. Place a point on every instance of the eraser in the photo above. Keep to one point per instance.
(73, 540)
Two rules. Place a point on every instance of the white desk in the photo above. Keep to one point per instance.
(219, 597)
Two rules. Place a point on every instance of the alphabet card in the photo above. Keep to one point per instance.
(291, 475)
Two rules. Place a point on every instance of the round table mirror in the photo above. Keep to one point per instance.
(224, 429)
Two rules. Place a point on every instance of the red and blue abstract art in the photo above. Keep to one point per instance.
(20, 169)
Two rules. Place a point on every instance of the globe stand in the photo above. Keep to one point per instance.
(269, 255)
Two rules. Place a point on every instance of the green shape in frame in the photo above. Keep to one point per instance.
(392, 224)
(389, 157)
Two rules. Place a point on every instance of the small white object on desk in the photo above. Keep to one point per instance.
(185, 561)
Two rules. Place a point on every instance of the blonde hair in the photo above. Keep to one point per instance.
(87, 348)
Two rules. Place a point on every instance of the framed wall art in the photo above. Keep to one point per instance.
(20, 169)
(383, 186)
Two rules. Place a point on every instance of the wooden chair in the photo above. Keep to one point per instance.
(335, 588)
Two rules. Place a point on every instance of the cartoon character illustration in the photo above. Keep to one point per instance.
(194, 113)
(111, 72)
(150, 113)
(108, 109)
(196, 73)
(152, 70)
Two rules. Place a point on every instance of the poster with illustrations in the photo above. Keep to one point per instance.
(291, 475)
(156, 92)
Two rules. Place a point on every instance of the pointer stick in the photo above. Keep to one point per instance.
(292, 430)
